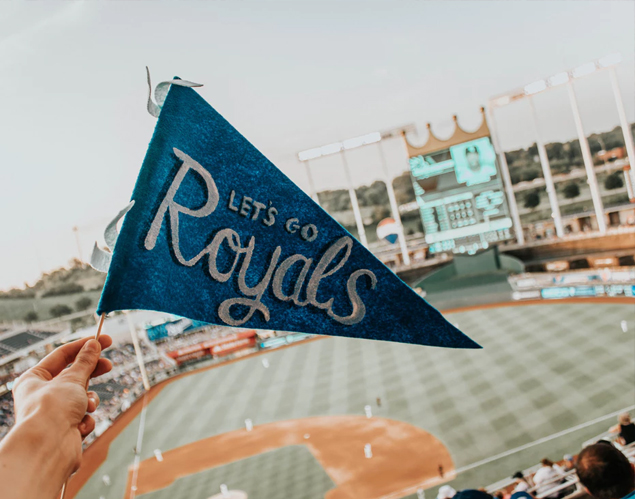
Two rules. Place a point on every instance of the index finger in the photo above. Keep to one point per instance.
(55, 362)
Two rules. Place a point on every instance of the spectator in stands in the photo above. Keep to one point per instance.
(472, 494)
(51, 419)
(625, 428)
(446, 492)
(521, 495)
(605, 472)
(522, 485)
(546, 478)
(568, 463)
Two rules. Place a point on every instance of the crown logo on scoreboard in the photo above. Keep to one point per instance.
(459, 191)
(459, 136)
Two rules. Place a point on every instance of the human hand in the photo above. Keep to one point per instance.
(52, 400)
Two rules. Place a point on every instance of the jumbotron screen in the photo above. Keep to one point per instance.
(461, 199)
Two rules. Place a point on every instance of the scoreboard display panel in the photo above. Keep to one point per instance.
(460, 197)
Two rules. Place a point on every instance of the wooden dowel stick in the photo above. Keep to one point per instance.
(101, 324)
(97, 335)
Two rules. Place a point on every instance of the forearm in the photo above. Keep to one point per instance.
(32, 463)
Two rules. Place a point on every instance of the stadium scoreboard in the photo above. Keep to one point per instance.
(460, 197)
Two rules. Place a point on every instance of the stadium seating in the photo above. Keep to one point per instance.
(106, 391)
(19, 341)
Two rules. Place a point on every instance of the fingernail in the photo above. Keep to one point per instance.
(92, 346)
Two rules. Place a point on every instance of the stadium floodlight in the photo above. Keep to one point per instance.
(370, 138)
(558, 79)
(331, 148)
(502, 101)
(584, 70)
(610, 60)
(310, 154)
(336, 147)
(353, 143)
(535, 87)
(606, 62)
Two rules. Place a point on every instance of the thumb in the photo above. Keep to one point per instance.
(85, 362)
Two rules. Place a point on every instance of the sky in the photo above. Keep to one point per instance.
(289, 75)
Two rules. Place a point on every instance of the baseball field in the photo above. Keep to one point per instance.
(465, 417)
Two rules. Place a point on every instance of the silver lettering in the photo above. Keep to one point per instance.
(281, 272)
(175, 208)
(359, 309)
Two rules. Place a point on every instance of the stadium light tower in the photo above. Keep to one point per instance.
(566, 78)
(341, 148)
(610, 62)
(312, 190)
(546, 172)
(507, 181)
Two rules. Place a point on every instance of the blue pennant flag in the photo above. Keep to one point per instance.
(218, 234)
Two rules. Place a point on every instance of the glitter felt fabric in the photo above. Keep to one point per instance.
(219, 234)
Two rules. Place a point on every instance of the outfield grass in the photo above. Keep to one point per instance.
(543, 369)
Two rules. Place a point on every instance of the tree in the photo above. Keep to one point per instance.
(404, 191)
(30, 316)
(60, 310)
(532, 199)
(83, 303)
(613, 181)
(571, 190)
(530, 173)
(64, 289)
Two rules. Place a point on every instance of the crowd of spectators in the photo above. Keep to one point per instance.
(6, 414)
(603, 470)
(207, 333)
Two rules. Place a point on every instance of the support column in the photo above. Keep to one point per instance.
(588, 162)
(507, 180)
(546, 171)
(312, 191)
(626, 129)
(353, 195)
(394, 208)
(137, 349)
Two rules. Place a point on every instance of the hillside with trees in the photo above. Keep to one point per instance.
(74, 288)
(524, 164)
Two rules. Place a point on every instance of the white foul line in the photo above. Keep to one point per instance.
(543, 440)
(137, 459)
(453, 474)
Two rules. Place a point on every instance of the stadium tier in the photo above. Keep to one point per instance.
(22, 340)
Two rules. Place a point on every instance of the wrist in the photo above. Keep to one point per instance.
(39, 458)
(38, 431)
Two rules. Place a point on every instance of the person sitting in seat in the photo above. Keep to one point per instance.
(605, 472)
(545, 478)
(522, 485)
(625, 428)
(568, 463)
